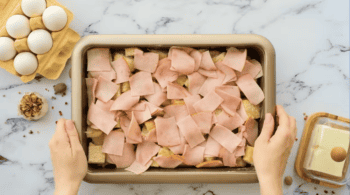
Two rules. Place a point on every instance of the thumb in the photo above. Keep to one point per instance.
(73, 135)
(268, 128)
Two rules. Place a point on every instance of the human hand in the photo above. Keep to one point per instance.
(271, 152)
(68, 158)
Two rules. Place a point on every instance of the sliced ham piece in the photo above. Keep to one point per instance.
(178, 111)
(240, 150)
(182, 62)
(256, 63)
(139, 106)
(126, 159)
(140, 116)
(208, 73)
(209, 103)
(106, 106)
(197, 56)
(91, 84)
(151, 136)
(176, 91)
(134, 131)
(191, 131)
(251, 131)
(153, 108)
(167, 131)
(235, 59)
(242, 113)
(98, 59)
(167, 162)
(229, 158)
(145, 61)
(125, 102)
(230, 74)
(145, 151)
(228, 121)
(163, 74)
(210, 84)
(138, 168)
(188, 50)
(122, 69)
(109, 75)
(203, 120)
(250, 89)
(250, 68)
(196, 81)
(212, 163)
(105, 89)
(225, 137)
(114, 143)
(179, 149)
(102, 119)
(232, 90)
(212, 148)
(158, 97)
(141, 84)
(193, 156)
(230, 103)
(207, 62)
(189, 101)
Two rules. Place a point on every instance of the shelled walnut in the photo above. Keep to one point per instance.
(33, 106)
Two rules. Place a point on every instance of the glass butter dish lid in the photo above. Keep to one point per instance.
(323, 156)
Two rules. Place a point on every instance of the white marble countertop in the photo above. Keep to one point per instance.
(311, 39)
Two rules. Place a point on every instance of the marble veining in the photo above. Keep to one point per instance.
(311, 39)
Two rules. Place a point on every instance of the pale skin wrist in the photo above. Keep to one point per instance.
(270, 185)
(67, 188)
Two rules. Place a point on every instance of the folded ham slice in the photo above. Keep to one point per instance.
(139, 106)
(232, 90)
(167, 131)
(179, 149)
(167, 162)
(196, 81)
(91, 84)
(145, 151)
(114, 143)
(197, 56)
(191, 131)
(230, 103)
(163, 74)
(134, 131)
(207, 62)
(230, 74)
(141, 84)
(182, 62)
(105, 89)
(235, 59)
(209, 103)
(250, 89)
(138, 168)
(145, 61)
(250, 68)
(153, 108)
(212, 148)
(140, 116)
(208, 73)
(158, 97)
(102, 119)
(126, 159)
(176, 91)
(193, 156)
(251, 131)
(210, 84)
(109, 75)
(122, 69)
(256, 63)
(228, 121)
(229, 158)
(106, 106)
(125, 102)
(203, 120)
(98, 59)
(189, 101)
(242, 113)
(225, 137)
(178, 111)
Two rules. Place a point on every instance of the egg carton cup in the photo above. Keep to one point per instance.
(50, 64)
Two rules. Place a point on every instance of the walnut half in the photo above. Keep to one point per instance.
(33, 106)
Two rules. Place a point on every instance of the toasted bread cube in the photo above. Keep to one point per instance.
(154, 163)
(91, 132)
(165, 151)
(182, 79)
(118, 124)
(240, 162)
(251, 110)
(130, 62)
(202, 50)
(162, 54)
(150, 125)
(125, 87)
(248, 157)
(119, 92)
(209, 158)
(217, 111)
(166, 103)
(219, 57)
(116, 56)
(177, 102)
(98, 140)
(130, 51)
(96, 156)
(214, 53)
(158, 113)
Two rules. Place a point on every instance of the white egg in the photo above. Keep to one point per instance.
(33, 8)
(7, 49)
(55, 18)
(25, 63)
(17, 26)
(39, 41)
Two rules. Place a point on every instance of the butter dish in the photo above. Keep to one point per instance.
(325, 137)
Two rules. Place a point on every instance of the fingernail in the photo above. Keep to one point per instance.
(268, 118)
(69, 125)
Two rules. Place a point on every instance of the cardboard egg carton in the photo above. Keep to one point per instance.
(50, 64)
